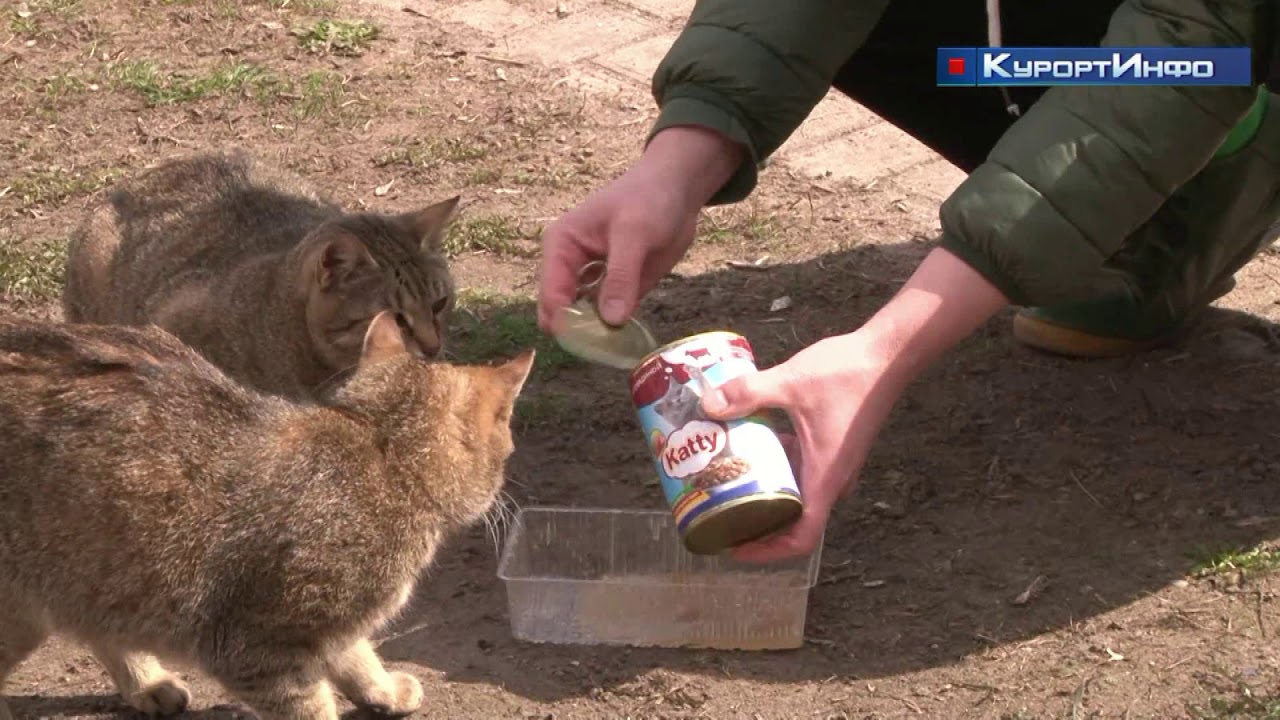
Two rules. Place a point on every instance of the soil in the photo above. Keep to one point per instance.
(1101, 486)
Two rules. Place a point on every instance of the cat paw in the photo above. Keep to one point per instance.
(402, 697)
(167, 696)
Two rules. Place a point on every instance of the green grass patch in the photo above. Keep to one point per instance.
(313, 7)
(1235, 699)
(322, 93)
(51, 92)
(729, 225)
(227, 9)
(159, 87)
(54, 186)
(350, 38)
(1239, 708)
(25, 17)
(59, 86)
(1256, 560)
(496, 234)
(31, 272)
(557, 178)
(484, 176)
(21, 23)
(488, 326)
(424, 154)
(534, 410)
(65, 8)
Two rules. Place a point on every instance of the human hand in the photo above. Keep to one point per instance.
(839, 391)
(837, 394)
(642, 224)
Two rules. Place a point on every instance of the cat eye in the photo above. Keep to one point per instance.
(404, 322)
(440, 305)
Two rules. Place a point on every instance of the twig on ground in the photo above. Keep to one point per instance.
(1085, 489)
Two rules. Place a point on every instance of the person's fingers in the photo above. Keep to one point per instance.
(795, 541)
(745, 394)
(818, 491)
(620, 290)
(562, 259)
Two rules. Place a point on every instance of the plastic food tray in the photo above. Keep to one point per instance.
(621, 577)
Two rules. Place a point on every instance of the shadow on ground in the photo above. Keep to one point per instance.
(71, 706)
(1109, 479)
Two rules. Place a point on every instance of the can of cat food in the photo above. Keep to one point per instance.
(726, 482)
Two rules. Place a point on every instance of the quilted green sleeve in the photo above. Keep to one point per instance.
(753, 70)
(1086, 166)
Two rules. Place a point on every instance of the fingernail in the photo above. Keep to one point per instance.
(614, 311)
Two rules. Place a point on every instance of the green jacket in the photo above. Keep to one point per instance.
(1076, 175)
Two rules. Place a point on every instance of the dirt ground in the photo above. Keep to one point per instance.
(1138, 497)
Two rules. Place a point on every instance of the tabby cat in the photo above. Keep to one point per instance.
(273, 283)
(150, 507)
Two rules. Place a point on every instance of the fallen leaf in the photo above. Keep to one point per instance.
(384, 189)
(1026, 596)
(756, 266)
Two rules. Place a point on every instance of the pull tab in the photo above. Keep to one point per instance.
(590, 277)
(586, 335)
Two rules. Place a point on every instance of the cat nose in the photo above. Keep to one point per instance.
(428, 350)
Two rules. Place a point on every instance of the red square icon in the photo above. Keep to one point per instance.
(955, 66)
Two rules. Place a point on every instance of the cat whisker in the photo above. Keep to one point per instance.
(492, 529)
(510, 508)
(499, 518)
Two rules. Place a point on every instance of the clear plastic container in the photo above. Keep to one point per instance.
(621, 577)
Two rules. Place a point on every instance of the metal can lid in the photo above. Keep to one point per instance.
(581, 331)
(743, 520)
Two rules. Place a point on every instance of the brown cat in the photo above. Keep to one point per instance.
(250, 266)
(151, 505)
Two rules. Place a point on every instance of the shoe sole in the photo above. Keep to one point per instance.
(1064, 341)
(1067, 342)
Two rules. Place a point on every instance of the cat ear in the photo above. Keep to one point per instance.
(383, 340)
(515, 372)
(430, 223)
(339, 256)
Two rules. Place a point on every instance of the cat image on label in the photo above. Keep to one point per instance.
(681, 408)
